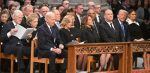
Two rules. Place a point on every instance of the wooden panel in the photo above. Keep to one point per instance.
(96, 48)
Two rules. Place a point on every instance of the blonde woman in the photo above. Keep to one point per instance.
(32, 22)
(67, 32)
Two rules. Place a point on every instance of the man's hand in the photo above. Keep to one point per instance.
(57, 50)
(12, 31)
(61, 46)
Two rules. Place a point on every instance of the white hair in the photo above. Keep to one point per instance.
(17, 13)
(123, 11)
(49, 15)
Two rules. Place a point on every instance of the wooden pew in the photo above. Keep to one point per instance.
(7, 56)
(40, 60)
(97, 48)
(137, 47)
(11, 57)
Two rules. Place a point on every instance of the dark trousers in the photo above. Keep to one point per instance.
(19, 51)
(52, 56)
(116, 61)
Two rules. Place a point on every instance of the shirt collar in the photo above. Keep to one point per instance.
(48, 25)
(119, 21)
(14, 23)
(130, 22)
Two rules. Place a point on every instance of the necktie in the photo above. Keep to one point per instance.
(112, 28)
(50, 29)
(122, 30)
(53, 34)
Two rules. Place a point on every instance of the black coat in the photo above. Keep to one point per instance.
(123, 38)
(107, 35)
(89, 35)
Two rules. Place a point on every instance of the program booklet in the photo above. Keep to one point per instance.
(22, 32)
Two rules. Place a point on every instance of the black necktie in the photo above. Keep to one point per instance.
(112, 28)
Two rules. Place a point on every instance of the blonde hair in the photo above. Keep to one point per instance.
(31, 17)
(64, 22)
(71, 18)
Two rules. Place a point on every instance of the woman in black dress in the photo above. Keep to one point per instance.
(135, 31)
(67, 32)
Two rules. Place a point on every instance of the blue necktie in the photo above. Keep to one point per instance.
(123, 32)
(122, 29)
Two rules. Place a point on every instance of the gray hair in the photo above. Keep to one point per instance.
(17, 13)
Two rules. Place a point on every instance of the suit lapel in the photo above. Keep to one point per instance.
(47, 29)
(12, 25)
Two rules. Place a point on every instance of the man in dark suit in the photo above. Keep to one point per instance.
(108, 28)
(43, 10)
(12, 44)
(98, 18)
(79, 11)
(122, 25)
(108, 34)
(123, 30)
(50, 44)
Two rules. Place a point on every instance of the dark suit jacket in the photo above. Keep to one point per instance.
(41, 21)
(100, 20)
(46, 39)
(126, 29)
(106, 33)
(24, 22)
(77, 23)
(1, 26)
(7, 41)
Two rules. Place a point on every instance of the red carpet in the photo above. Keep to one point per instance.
(134, 71)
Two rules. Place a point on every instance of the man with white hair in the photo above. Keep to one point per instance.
(50, 44)
(123, 30)
(12, 44)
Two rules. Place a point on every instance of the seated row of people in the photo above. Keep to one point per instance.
(53, 37)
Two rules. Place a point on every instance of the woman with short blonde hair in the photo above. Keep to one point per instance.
(32, 20)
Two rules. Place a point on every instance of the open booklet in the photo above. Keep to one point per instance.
(22, 32)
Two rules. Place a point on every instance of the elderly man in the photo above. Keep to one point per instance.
(50, 44)
(108, 34)
(12, 44)
(123, 31)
